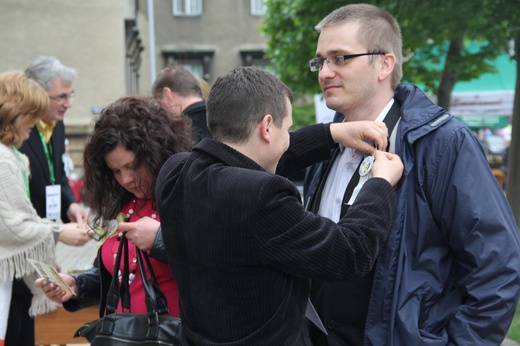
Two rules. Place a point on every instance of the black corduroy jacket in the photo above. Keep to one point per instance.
(242, 248)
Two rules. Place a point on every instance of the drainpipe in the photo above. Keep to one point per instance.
(151, 29)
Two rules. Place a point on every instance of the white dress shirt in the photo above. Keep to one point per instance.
(342, 170)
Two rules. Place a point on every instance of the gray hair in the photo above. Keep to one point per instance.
(45, 69)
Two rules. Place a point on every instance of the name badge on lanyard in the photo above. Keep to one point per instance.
(53, 201)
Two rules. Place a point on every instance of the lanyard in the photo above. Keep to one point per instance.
(25, 174)
(47, 148)
(390, 120)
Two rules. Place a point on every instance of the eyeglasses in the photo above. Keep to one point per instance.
(316, 64)
(63, 98)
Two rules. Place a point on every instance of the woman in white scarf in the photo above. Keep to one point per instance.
(24, 234)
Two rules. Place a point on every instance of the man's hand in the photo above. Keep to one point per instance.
(76, 213)
(353, 134)
(387, 166)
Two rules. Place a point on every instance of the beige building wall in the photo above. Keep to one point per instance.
(109, 43)
(142, 25)
(86, 35)
(226, 28)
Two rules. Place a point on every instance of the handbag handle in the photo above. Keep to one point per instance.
(155, 300)
(116, 291)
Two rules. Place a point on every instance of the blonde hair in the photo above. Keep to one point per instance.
(21, 99)
(204, 87)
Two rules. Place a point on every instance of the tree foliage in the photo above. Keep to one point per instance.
(289, 25)
(510, 18)
(429, 30)
(449, 41)
(444, 42)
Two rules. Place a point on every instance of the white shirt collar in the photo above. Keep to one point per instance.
(379, 118)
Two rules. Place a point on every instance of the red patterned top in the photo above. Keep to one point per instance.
(133, 211)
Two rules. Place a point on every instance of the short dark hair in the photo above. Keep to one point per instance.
(178, 80)
(240, 98)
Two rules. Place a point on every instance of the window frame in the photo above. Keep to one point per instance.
(198, 62)
(187, 8)
(258, 8)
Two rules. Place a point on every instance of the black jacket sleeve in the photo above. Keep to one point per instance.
(158, 251)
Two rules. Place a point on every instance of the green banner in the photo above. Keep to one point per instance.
(482, 121)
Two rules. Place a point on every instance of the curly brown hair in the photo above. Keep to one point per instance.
(142, 126)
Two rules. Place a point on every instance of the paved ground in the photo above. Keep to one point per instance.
(509, 342)
(72, 258)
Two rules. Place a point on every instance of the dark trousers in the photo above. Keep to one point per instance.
(20, 326)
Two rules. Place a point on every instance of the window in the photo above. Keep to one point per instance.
(257, 7)
(197, 61)
(255, 57)
(134, 54)
(187, 8)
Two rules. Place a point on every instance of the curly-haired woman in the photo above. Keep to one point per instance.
(131, 140)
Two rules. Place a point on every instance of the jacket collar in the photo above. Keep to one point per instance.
(46, 129)
(195, 107)
(419, 115)
(226, 154)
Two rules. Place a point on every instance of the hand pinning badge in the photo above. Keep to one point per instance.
(366, 165)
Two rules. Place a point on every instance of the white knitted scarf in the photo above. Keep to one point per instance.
(24, 234)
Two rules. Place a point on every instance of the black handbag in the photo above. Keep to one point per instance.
(121, 329)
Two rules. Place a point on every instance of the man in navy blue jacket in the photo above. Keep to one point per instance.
(450, 271)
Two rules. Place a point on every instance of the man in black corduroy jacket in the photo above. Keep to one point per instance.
(239, 243)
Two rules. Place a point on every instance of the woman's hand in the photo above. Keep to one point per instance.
(142, 232)
(56, 293)
(74, 234)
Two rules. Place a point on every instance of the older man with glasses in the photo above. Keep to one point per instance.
(49, 189)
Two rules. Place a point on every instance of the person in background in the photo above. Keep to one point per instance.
(239, 243)
(68, 163)
(24, 233)
(178, 89)
(449, 273)
(77, 184)
(48, 184)
(46, 144)
(131, 140)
